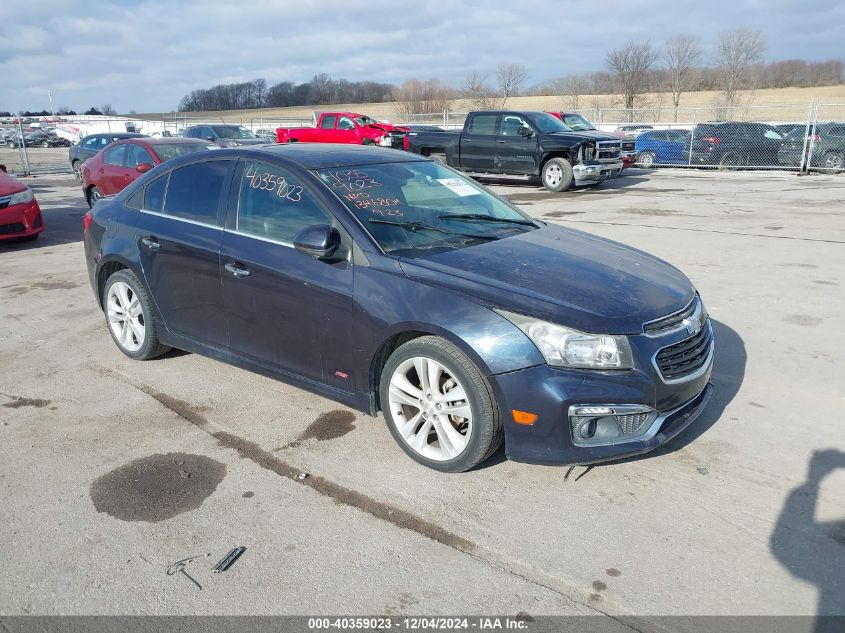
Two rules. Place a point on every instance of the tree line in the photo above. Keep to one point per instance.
(321, 90)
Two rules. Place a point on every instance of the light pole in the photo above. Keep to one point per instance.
(50, 94)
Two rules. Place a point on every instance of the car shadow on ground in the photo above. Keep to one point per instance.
(531, 190)
(812, 550)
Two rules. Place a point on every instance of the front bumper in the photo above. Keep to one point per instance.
(549, 393)
(21, 220)
(594, 171)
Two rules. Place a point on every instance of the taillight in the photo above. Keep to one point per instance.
(86, 221)
(713, 140)
(405, 143)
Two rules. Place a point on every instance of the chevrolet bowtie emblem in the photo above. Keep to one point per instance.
(692, 325)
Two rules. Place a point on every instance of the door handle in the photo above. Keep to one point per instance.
(501, 141)
(151, 243)
(238, 270)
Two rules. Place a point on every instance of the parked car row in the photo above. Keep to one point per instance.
(733, 144)
(31, 137)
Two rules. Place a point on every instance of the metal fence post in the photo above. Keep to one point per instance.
(692, 136)
(22, 150)
(812, 130)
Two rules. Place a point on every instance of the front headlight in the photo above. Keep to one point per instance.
(21, 197)
(385, 141)
(565, 347)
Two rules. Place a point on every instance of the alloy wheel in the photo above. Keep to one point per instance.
(430, 409)
(125, 316)
(554, 175)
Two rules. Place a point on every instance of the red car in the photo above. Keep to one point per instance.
(346, 127)
(20, 215)
(117, 165)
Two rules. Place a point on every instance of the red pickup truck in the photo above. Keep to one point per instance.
(346, 127)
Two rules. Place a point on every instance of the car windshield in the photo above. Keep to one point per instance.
(365, 120)
(416, 209)
(234, 131)
(548, 123)
(578, 123)
(168, 151)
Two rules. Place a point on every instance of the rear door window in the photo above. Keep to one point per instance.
(484, 124)
(327, 122)
(154, 194)
(273, 204)
(194, 191)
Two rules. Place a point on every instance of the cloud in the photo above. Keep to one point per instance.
(146, 55)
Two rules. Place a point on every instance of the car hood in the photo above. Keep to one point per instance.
(599, 135)
(10, 184)
(246, 141)
(564, 276)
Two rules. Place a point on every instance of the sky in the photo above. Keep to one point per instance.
(145, 55)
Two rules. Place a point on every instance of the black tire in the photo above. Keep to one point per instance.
(834, 161)
(438, 157)
(487, 432)
(730, 160)
(646, 159)
(45, 144)
(368, 141)
(76, 165)
(151, 347)
(29, 238)
(11, 145)
(557, 175)
(92, 196)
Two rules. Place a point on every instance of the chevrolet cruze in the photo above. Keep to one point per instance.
(391, 283)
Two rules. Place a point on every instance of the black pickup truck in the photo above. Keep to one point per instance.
(510, 143)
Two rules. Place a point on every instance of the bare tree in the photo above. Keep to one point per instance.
(478, 91)
(107, 109)
(737, 53)
(573, 87)
(510, 78)
(681, 55)
(423, 97)
(630, 66)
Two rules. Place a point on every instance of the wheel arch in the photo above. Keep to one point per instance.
(553, 154)
(110, 265)
(403, 333)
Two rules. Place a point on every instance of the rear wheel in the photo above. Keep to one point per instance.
(11, 145)
(45, 144)
(129, 317)
(646, 159)
(438, 406)
(76, 165)
(94, 194)
(731, 160)
(557, 174)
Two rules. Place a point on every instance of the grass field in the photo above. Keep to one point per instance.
(792, 104)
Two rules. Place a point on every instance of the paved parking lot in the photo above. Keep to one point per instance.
(742, 514)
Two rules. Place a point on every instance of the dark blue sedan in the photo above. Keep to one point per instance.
(663, 147)
(391, 283)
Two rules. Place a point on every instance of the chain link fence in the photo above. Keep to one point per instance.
(792, 137)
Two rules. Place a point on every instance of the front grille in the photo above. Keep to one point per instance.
(686, 357)
(629, 146)
(4, 201)
(9, 229)
(397, 140)
(671, 321)
(608, 150)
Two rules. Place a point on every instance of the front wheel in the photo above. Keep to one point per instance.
(557, 174)
(45, 144)
(77, 169)
(130, 317)
(93, 195)
(834, 161)
(731, 160)
(438, 406)
(646, 159)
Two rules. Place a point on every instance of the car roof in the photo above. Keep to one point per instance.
(166, 140)
(323, 155)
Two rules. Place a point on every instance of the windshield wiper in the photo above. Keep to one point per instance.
(422, 226)
(487, 218)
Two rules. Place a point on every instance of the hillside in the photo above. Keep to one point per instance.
(794, 101)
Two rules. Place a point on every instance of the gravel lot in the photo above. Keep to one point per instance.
(743, 514)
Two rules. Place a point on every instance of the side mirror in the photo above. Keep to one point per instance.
(209, 138)
(525, 131)
(143, 167)
(319, 241)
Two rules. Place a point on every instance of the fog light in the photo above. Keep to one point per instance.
(594, 424)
